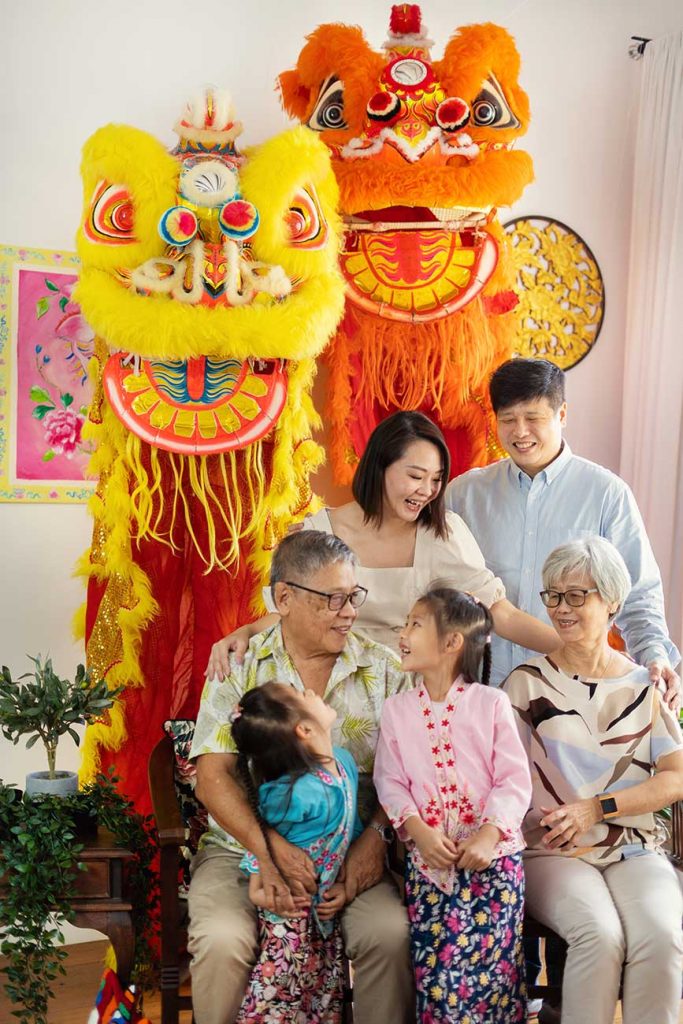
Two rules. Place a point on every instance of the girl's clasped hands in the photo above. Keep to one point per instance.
(475, 853)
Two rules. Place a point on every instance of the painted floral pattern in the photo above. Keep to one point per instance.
(45, 349)
(466, 947)
(298, 978)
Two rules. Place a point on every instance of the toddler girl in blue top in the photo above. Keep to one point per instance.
(298, 784)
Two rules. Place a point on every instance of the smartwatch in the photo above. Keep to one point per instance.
(609, 806)
(386, 831)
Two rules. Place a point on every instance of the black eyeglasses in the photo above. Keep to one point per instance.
(575, 598)
(335, 602)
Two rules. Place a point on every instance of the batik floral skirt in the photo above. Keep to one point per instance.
(467, 947)
(298, 976)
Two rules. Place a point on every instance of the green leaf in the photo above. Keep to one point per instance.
(41, 411)
(42, 306)
(63, 303)
(38, 394)
(67, 399)
(48, 455)
(51, 285)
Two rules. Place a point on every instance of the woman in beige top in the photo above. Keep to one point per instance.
(405, 541)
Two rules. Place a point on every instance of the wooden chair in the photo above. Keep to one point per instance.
(534, 930)
(173, 837)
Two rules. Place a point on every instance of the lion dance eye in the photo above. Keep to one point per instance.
(110, 220)
(329, 109)
(452, 114)
(306, 227)
(383, 106)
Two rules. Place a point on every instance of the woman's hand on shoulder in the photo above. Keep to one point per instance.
(236, 642)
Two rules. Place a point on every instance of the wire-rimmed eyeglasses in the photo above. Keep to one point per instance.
(575, 597)
(335, 601)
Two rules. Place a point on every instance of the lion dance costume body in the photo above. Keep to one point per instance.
(211, 283)
(422, 153)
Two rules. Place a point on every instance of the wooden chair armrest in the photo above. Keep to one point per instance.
(677, 832)
(170, 825)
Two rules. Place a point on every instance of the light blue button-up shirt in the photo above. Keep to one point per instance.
(518, 520)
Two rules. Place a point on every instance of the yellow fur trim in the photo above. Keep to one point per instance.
(302, 160)
(156, 327)
(121, 155)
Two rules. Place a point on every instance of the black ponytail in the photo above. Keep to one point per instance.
(244, 772)
(454, 610)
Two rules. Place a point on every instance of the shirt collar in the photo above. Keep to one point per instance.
(270, 644)
(550, 472)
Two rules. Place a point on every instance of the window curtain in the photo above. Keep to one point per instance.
(652, 418)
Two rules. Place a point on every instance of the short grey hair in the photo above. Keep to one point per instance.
(301, 555)
(595, 557)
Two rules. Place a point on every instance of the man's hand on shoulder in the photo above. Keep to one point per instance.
(663, 676)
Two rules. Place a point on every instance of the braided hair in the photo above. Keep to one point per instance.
(264, 732)
(454, 610)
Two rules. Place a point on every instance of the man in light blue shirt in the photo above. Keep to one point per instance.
(523, 507)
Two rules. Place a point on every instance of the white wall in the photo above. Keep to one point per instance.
(72, 65)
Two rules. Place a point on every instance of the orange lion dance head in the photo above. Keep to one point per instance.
(423, 154)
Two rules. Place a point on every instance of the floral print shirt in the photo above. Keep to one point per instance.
(364, 675)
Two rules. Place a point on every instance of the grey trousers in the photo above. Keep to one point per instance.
(626, 915)
(223, 945)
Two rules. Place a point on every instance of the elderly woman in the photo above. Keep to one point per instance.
(605, 753)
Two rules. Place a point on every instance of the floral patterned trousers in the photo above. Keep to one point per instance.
(298, 976)
(467, 947)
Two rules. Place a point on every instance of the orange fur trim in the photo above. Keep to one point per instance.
(438, 365)
(472, 53)
(496, 178)
(342, 51)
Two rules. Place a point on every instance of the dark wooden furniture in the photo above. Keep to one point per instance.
(171, 830)
(101, 901)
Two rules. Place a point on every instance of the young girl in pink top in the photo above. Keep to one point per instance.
(453, 777)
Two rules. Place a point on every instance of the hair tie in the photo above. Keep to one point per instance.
(235, 714)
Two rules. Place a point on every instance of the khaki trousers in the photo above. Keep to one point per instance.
(223, 945)
(626, 914)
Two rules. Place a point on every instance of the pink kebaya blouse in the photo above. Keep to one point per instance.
(458, 765)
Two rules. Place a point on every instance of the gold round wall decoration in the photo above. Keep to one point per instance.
(561, 291)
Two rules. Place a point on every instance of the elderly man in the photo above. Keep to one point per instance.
(313, 584)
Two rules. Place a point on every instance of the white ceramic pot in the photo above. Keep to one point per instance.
(63, 783)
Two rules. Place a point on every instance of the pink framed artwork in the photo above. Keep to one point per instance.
(45, 347)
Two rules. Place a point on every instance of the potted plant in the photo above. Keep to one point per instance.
(44, 709)
(39, 869)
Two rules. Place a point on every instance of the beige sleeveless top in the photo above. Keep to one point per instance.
(455, 562)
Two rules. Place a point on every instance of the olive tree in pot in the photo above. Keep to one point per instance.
(45, 708)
